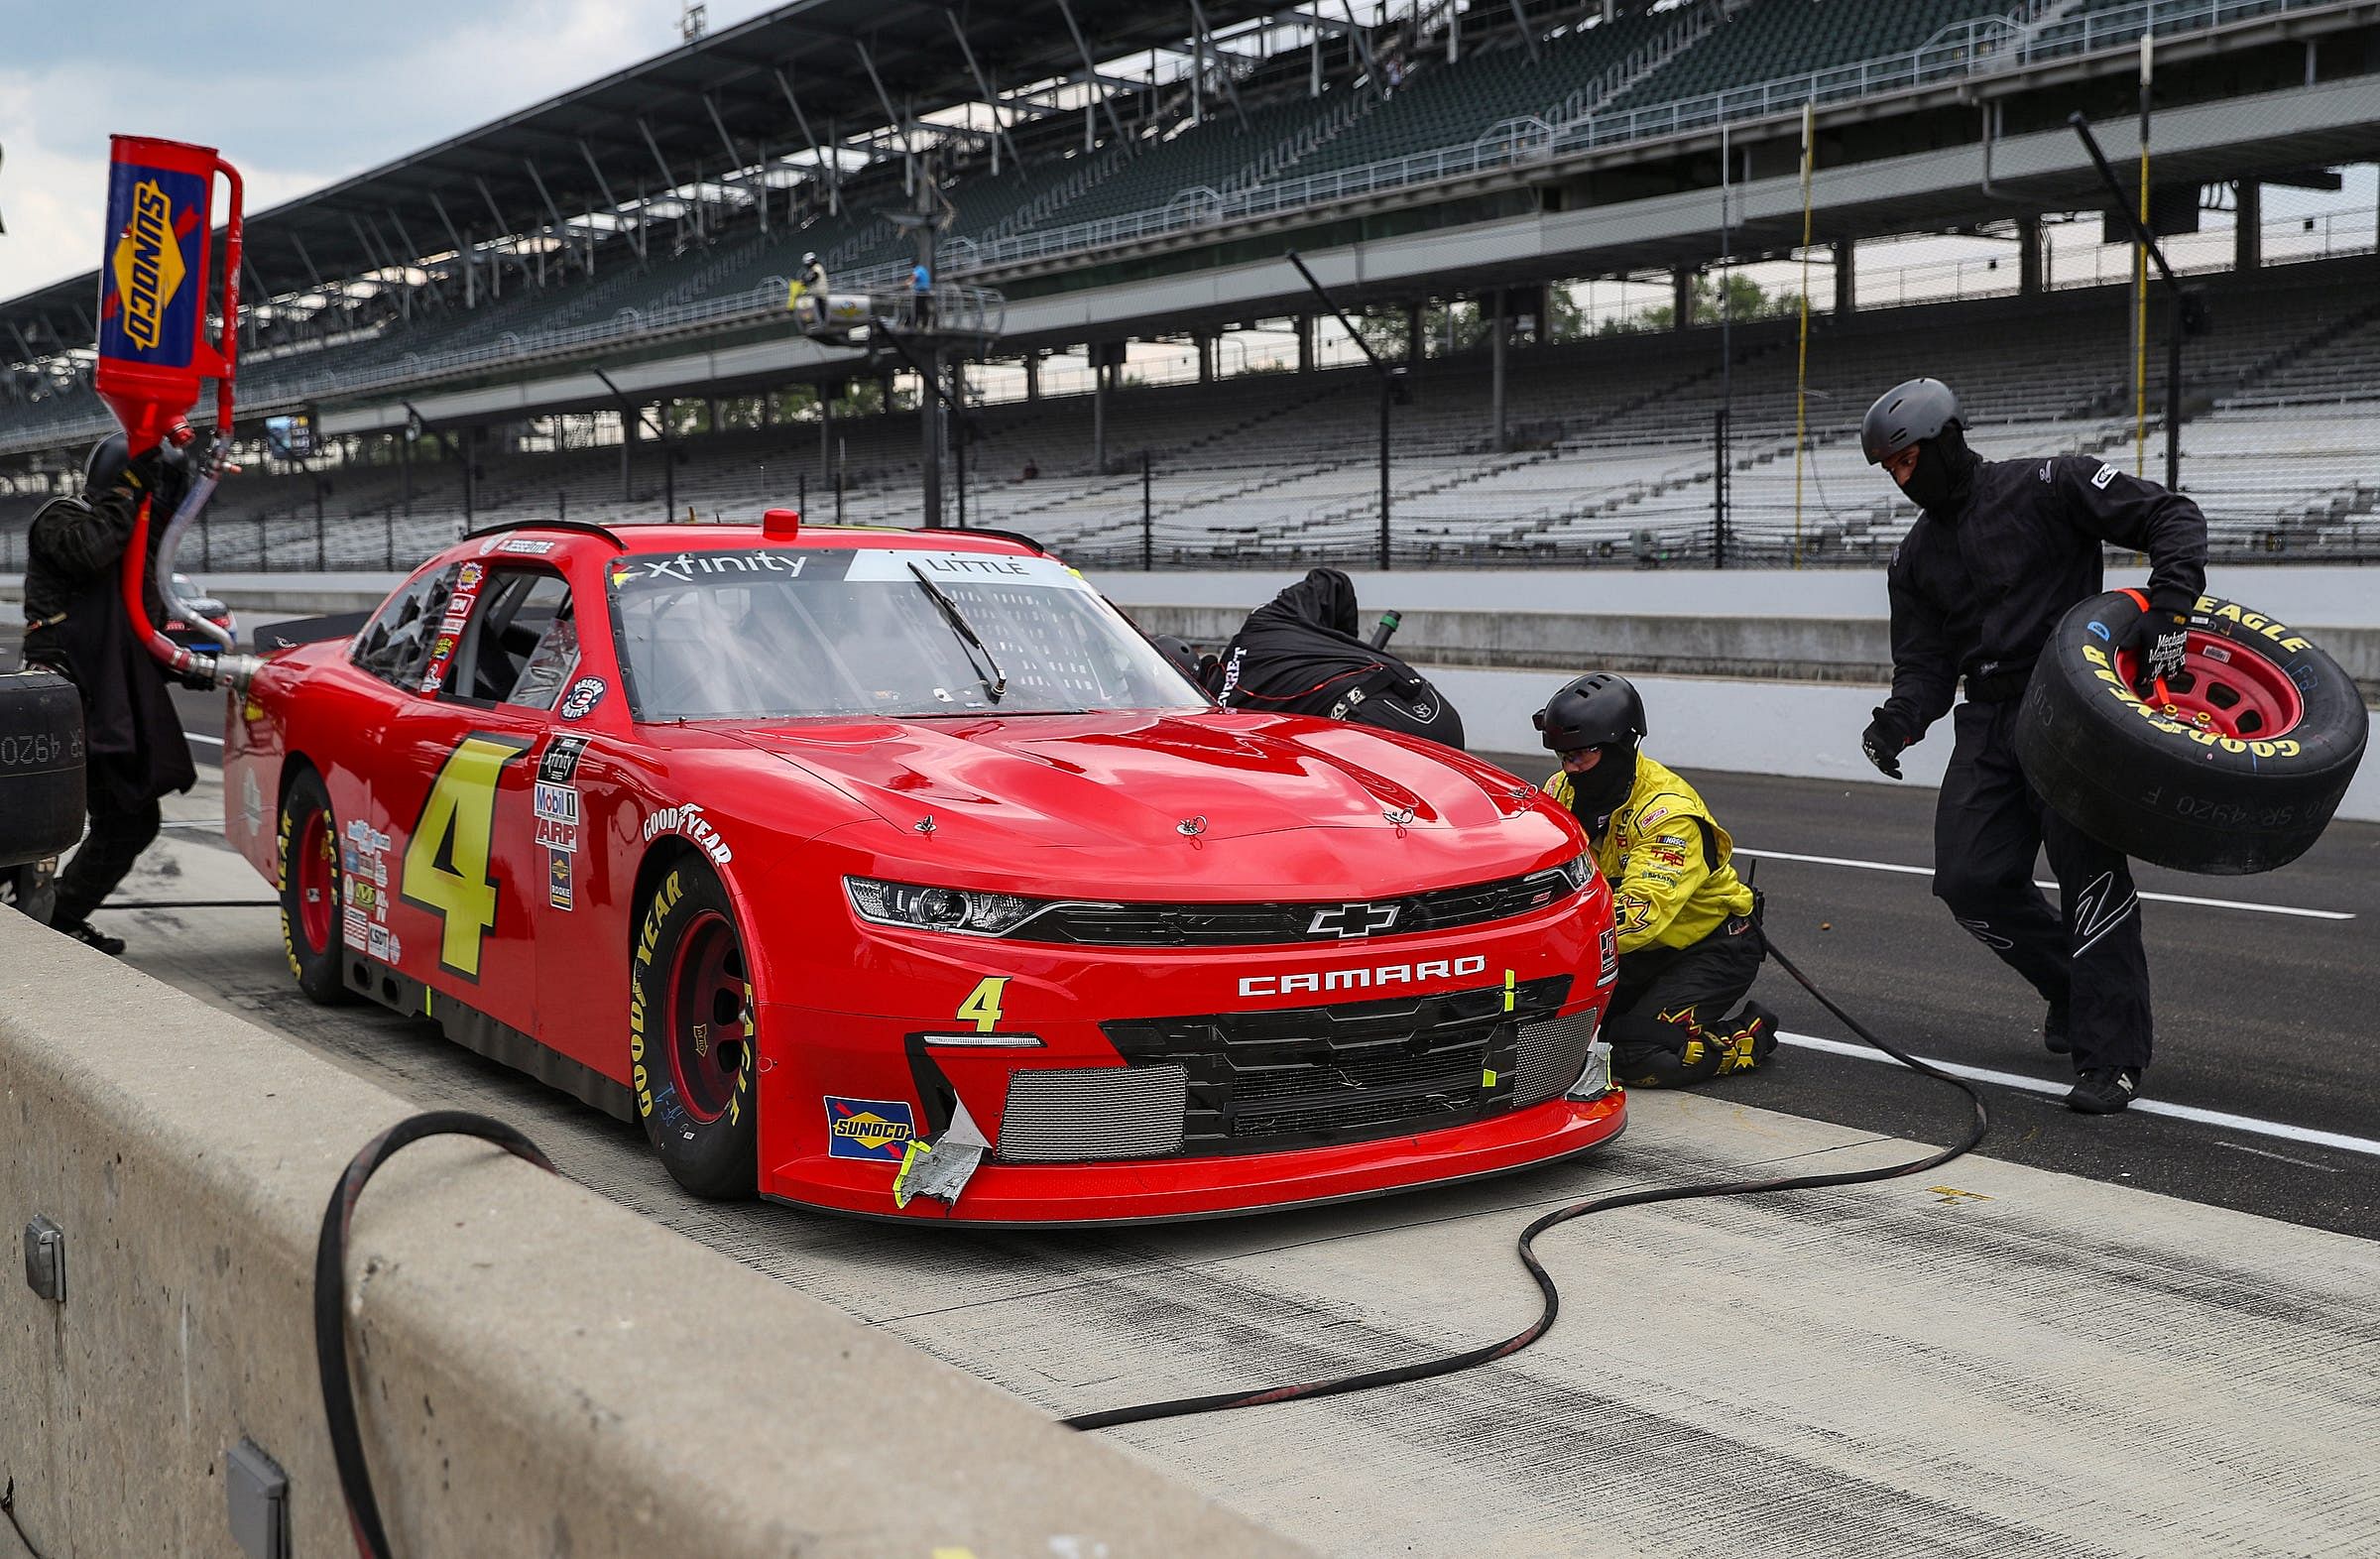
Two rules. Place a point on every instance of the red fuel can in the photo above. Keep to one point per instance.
(154, 353)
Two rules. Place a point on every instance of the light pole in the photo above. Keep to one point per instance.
(1392, 390)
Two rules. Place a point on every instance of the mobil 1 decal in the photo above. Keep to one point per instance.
(557, 805)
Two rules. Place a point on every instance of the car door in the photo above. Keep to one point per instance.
(461, 766)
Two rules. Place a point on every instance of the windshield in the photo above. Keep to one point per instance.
(780, 633)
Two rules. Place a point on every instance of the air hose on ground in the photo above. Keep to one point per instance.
(330, 1265)
(330, 1299)
(1450, 1364)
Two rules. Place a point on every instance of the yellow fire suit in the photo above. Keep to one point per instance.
(1689, 945)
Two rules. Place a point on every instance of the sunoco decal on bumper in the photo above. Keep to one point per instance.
(880, 1130)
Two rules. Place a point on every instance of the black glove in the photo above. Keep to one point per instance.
(2156, 639)
(1883, 741)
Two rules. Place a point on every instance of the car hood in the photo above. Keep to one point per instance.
(1124, 785)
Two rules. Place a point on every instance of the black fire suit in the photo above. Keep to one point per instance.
(76, 625)
(1298, 654)
(1976, 587)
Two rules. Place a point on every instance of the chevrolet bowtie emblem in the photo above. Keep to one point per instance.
(1350, 920)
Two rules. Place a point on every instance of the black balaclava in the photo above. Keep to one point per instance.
(1600, 791)
(1945, 469)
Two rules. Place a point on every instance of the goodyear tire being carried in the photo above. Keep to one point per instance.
(312, 890)
(2236, 770)
(690, 1034)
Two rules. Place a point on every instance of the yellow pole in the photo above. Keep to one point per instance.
(2140, 286)
(1801, 381)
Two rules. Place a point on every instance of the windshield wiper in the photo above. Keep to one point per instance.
(998, 683)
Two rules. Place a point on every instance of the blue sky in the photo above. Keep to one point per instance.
(295, 95)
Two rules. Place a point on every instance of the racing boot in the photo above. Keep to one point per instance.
(2053, 1030)
(82, 932)
(2104, 1090)
(1670, 1051)
(1752, 1040)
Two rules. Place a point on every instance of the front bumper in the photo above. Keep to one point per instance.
(1164, 1190)
(1449, 1057)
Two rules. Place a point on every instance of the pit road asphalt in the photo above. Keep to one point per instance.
(2267, 1016)
(1948, 1365)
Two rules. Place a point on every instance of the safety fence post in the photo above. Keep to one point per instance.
(1149, 552)
(388, 537)
(1718, 487)
(264, 544)
(802, 492)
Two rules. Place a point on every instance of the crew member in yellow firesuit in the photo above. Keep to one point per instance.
(1688, 926)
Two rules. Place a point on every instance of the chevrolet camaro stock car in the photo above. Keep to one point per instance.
(898, 874)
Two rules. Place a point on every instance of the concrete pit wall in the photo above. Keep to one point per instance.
(539, 1370)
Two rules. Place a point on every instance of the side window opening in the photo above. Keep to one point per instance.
(510, 651)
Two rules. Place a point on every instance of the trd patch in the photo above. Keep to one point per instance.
(872, 1129)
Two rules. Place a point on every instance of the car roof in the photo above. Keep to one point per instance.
(647, 540)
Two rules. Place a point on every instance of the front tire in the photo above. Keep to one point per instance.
(312, 893)
(691, 1037)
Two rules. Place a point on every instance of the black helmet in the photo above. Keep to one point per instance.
(105, 467)
(1599, 709)
(111, 457)
(1905, 415)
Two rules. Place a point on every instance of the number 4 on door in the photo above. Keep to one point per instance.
(446, 859)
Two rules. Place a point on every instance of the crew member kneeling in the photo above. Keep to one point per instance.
(1688, 927)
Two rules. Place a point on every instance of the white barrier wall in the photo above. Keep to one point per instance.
(1809, 730)
(539, 1371)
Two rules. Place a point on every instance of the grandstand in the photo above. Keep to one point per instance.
(1144, 185)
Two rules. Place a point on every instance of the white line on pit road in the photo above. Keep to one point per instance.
(197, 736)
(2168, 899)
(2037, 1085)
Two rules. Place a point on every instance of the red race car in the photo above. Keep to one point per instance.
(895, 873)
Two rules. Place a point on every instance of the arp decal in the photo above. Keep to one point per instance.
(556, 807)
(877, 1130)
(580, 701)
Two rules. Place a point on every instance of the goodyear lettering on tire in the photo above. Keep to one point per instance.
(288, 932)
(648, 939)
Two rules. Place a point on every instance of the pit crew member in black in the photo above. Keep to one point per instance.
(2001, 551)
(76, 625)
(1688, 926)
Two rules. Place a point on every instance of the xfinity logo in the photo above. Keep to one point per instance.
(1352, 921)
(1378, 976)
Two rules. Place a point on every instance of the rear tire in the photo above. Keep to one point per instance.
(691, 1038)
(312, 893)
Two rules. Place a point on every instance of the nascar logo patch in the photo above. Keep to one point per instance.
(874, 1129)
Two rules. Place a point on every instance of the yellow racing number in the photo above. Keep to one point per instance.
(982, 1004)
(446, 859)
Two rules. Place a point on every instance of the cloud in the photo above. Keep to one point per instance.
(296, 95)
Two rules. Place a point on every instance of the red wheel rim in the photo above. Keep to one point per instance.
(2227, 687)
(317, 881)
(710, 1022)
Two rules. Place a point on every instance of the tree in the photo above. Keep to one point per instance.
(1745, 299)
